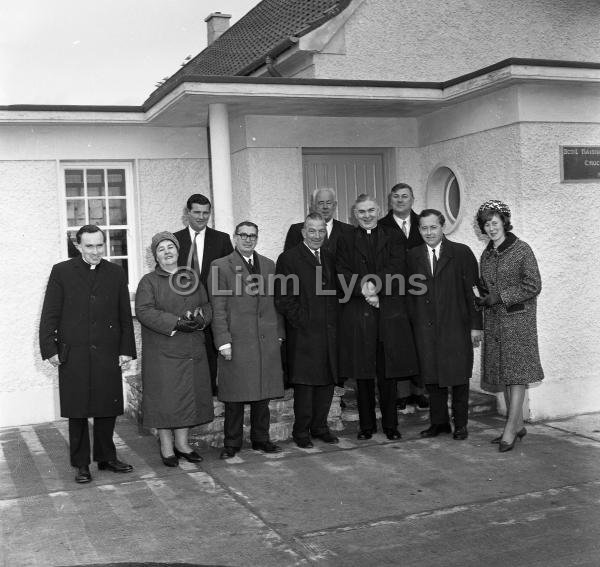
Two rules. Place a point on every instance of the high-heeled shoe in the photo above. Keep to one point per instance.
(520, 435)
(170, 461)
(191, 457)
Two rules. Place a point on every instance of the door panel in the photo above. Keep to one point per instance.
(350, 174)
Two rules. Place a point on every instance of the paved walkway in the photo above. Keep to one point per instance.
(411, 502)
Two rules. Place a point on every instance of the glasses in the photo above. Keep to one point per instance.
(245, 236)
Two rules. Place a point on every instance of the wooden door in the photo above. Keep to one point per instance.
(350, 174)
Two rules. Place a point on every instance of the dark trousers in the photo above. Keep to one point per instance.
(438, 404)
(211, 356)
(233, 428)
(311, 408)
(365, 398)
(79, 440)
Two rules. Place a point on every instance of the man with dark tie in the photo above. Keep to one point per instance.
(305, 294)
(324, 202)
(86, 332)
(376, 342)
(405, 221)
(446, 324)
(199, 245)
(248, 332)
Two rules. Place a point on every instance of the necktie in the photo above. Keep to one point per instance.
(250, 264)
(193, 257)
(404, 228)
(434, 261)
(318, 257)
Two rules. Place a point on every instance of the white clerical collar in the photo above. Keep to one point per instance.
(92, 266)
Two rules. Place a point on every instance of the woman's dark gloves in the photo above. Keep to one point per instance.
(488, 300)
(187, 326)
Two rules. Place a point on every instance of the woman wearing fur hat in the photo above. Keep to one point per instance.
(172, 307)
(510, 283)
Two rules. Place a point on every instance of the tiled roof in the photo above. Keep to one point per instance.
(264, 30)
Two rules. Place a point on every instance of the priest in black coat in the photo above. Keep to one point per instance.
(86, 331)
(199, 245)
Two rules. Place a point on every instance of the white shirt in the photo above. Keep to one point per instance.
(400, 221)
(329, 227)
(312, 251)
(199, 245)
(437, 254)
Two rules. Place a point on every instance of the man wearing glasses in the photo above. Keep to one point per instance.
(248, 333)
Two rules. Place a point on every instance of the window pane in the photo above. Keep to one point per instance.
(74, 182)
(453, 198)
(117, 243)
(75, 212)
(118, 211)
(116, 182)
(97, 211)
(95, 182)
(124, 264)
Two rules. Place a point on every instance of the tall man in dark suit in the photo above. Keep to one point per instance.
(376, 342)
(324, 202)
(199, 245)
(305, 294)
(446, 324)
(87, 332)
(405, 221)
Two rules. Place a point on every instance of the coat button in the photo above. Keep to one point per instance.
(93, 347)
(92, 298)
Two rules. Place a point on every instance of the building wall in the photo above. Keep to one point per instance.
(30, 215)
(429, 40)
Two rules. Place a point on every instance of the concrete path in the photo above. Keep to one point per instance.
(411, 502)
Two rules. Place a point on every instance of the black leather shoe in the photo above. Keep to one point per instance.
(228, 453)
(191, 457)
(364, 434)
(304, 443)
(83, 475)
(435, 430)
(115, 466)
(170, 461)
(460, 433)
(266, 447)
(392, 434)
(520, 435)
(327, 437)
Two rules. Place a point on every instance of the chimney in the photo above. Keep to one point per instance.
(216, 25)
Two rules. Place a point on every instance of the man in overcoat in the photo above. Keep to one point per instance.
(324, 202)
(305, 294)
(87, 332)
(402, 218)
(248, 332)
(199, 245)
(376, 342)
(446, 324)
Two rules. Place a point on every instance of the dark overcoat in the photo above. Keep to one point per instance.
(444, 316)
(311, 314)
(245, 317)
(91, 314)
(510, 349)
(414, 235)
(362, 325)
(338, 228)
(175, 376)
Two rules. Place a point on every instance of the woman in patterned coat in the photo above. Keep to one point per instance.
(511, 283)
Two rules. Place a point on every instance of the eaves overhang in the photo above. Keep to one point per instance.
(187, 103)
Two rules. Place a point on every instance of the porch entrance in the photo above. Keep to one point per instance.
(349, 172)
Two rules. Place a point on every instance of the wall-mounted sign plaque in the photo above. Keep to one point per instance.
(580, 163)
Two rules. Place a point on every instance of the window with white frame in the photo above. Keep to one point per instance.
(101, 194)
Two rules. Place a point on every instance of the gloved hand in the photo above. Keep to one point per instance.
(199, 319)
(488, 300)
(186, 326)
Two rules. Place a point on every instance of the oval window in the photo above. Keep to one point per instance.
(444, 194)
(452, 198)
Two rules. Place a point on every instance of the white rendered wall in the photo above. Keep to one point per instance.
(429, 40)
(30, 216)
